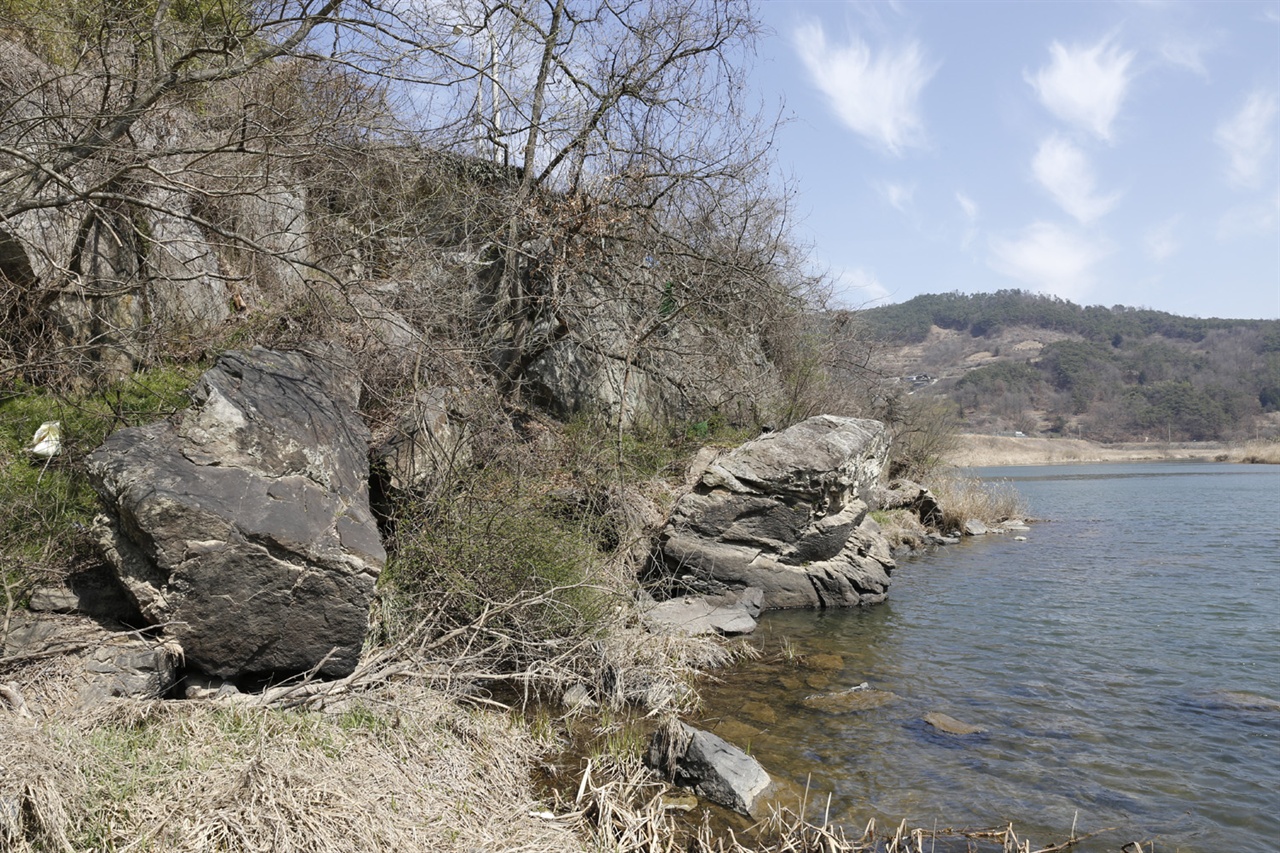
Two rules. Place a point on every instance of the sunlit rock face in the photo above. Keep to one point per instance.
(785, 514)
(242, 525)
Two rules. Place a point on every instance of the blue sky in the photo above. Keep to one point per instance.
(1105, 152)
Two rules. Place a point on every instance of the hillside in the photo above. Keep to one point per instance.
(1019, 362)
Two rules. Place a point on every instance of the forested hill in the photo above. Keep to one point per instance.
(1015, 361)
(986, 314)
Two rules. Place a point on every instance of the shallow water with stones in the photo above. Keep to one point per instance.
(1124, 663)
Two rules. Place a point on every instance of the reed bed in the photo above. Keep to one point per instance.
(965, 499)
(1256, 452)
(624, 808)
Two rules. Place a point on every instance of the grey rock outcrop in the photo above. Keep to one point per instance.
(715, 769)
(243, 525)
(597, 365)
(784, 513)
(427, 443)
(93, 592)
(138, 669)
(906, 494)
(728, 614)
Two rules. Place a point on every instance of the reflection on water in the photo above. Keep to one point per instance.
(1124, 664)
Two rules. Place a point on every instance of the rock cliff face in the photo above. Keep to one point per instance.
(612, 361)
(785, 514)
(243, 525)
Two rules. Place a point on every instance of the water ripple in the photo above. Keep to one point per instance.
(1111, 659)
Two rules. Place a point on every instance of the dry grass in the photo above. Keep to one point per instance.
(1255, 452)
(901, 527)
(385, 759)
(966, 498)
(976, 451)
(400, 767)
(979, 451)
(625, 808)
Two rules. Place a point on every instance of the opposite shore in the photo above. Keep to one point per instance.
(978, 451)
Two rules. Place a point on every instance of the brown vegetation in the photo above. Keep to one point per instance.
(978, 451)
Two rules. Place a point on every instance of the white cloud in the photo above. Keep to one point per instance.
(970, 209)
(1161, 241)
(1085, 86)
(1050, 259)
(1247, 138)
(1186, 53)
(1063, 170)
(859, 288)
(899, 196)
(876, 94)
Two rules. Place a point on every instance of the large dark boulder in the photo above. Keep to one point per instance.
(784, 513)
(242, 525)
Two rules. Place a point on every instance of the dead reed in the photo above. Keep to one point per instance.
(399, 767)
(970, 499)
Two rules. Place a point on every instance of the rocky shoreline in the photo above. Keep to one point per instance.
(241, 555)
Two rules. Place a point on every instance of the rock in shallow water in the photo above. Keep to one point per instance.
(715, 769)
(950, 725)
(860, 698)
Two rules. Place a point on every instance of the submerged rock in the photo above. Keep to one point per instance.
(1240, 700)
(825, 661)
(242, 525)
(860, 698)
(950, 725)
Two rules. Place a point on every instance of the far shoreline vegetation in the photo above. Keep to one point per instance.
(974, 450)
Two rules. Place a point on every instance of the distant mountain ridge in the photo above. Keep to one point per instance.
(1017, 361)
(985, 314)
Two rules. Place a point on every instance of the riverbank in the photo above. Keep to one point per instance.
(979, 451)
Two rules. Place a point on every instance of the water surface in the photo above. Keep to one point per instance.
(1124, 661)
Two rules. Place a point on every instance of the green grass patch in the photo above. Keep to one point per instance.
(43, 501)
(500, 552)
(647, 449)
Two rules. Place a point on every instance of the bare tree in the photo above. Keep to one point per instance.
(633, 160)
(630, 190)
(146, 147)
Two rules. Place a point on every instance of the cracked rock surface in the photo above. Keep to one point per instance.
(242, 524)
(785, 514)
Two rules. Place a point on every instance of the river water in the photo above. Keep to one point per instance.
(1124, 662)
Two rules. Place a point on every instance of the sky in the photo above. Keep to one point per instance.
(1104, 152)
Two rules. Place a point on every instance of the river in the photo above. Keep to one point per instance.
(1124, 662)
